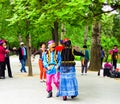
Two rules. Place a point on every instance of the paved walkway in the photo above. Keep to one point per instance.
(22, 89)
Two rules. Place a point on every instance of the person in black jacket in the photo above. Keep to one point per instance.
(22, 51)
(68, 85)
(41, 51)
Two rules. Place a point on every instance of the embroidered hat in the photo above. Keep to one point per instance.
(65, 40)
(50, 42)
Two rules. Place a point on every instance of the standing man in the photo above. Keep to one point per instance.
(102, 58)
(22, 56)
(51, 62)
(85, 60)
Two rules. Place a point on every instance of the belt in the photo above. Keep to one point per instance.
(51, 64)
(68, 62)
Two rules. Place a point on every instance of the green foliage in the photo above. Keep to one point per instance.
(107, 24)
(6, 32)
(116, 27)
(42, 14)
(76, 34)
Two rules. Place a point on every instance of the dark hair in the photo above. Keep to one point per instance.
(42, 43)
(67, 43)
(84, 46)
(61, 41)
(115, 45)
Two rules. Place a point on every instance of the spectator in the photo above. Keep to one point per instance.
(41, 51)
(107, 68)
(2, 60)
(7, 59)
(102, 58)
(114, 56)
(22, 51)
(85, 60)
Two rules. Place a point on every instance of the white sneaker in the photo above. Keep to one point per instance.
(41, 80)
(44, 80)
(85, 73)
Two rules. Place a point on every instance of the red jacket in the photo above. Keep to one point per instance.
(2, 54)
(59, 48)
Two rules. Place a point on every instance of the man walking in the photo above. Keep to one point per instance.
(22, 56)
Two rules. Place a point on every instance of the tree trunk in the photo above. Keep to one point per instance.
(95, 62)
(28, 43)
(19, 37)
(63, 31)
(85, 34)
(55, 36)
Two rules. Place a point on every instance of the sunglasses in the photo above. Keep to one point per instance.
(53, 47)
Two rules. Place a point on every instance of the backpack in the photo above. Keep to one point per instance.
(114, 74)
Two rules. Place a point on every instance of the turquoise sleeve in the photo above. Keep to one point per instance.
(45, 63)
(59, 58)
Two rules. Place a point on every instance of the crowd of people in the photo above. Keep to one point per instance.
(5, 60)
(56, 64)
(110, 69)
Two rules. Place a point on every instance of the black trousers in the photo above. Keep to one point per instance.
(2, 69)
(7, 63)
(115, 64)
(85, 66)
(106, 72)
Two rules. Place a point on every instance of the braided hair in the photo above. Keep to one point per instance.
(67, 53)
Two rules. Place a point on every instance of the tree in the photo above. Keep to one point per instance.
(6, 32)
(23, 17)
(85, 34)
(96, 8)
(49, 14)
(116, 26)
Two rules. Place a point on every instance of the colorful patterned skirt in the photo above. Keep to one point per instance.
(68, 85)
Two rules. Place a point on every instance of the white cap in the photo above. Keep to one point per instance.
(21, 43)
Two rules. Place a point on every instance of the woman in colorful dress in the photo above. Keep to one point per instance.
(51, 61)
(68, 85)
